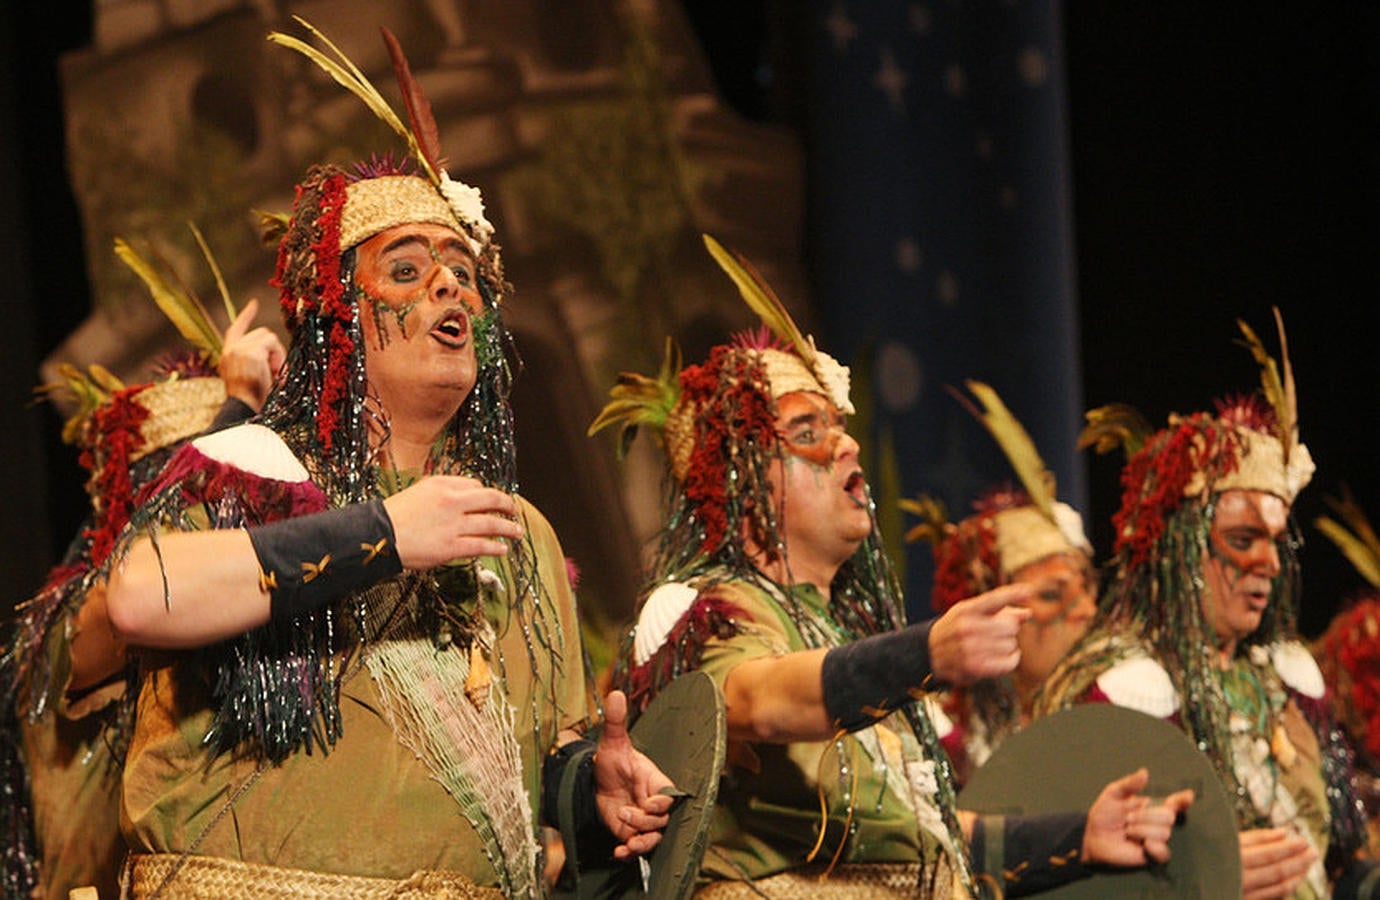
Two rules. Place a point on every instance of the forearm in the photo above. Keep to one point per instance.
(778, 699)
(186, 590)
(96, 651)
(196, 588)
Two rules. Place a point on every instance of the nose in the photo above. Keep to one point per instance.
(1082, 607)
(1267, 561)
(845, 444)
(443, 285)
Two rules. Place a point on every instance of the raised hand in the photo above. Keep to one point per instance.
(250, 359)
(976, 638)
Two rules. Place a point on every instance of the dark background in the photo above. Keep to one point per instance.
(1225, 157)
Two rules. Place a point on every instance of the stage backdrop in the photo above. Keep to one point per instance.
(939, 239)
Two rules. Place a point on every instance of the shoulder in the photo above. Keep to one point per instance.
(1297, 668)
(534, 521)
(664, 607)
(1139, 682)
(701, 605)
(255, 449)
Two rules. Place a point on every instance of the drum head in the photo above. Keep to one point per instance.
(1062, 762)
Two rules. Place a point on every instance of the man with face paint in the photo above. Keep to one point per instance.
(770, 578)
(1015, 536)
(1197, 625)
(362, 668)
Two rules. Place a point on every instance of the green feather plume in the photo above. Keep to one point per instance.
(181, 307)
(1115, 425)
(934, 518)
(214, 266)
(1277, 381)
(637, 400)
(348, 76)
(762, 300)
(88, 389)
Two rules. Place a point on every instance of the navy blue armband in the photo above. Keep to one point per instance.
(866, 679)
(232, 412)
(1030, 854)
(568, 804)
(311, 561)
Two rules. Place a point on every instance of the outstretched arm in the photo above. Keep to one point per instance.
(810, 695)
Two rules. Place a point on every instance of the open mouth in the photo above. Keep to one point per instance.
(452, 329)
(856, 489)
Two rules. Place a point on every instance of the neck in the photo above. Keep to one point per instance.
(820, 576)
(414, 424)
(410, 442)
(1226, 651)
(1026, 687)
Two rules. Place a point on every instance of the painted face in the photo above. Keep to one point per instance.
(825, 498)
(418, 295)
(1243, 561)
(1062, 608)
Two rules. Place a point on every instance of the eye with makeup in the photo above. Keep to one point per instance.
(403, 271)
(812, 437)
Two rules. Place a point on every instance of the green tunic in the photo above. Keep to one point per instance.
(439, 761)
(878, 787)
(74, 783)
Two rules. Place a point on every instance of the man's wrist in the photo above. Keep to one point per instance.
(867, 679)
(309, 562)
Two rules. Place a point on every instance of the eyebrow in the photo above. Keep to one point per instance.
(802, 419)
(450, 243)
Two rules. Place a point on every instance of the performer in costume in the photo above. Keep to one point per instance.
(60, 806)
(1197, 624)
(362, 669)
(1015, 535)
(770, 577)
(1348, 653)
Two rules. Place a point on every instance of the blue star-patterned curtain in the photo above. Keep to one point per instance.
(940, 241)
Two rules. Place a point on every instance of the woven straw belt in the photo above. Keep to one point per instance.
(178, 877)
(847, 880)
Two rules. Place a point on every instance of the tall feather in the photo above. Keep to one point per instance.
(215, 271)
(424, 128)
(1115, 425)
(1015, 442)
(1278, 389)
(762, 299)
(348, 76)
(183, 309)
(1364, 556)
(1359, 544)
(1289, 429)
